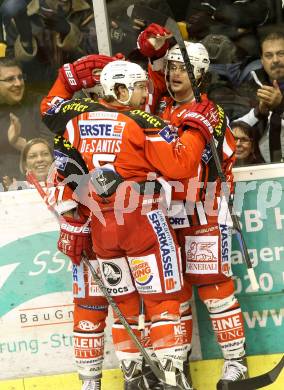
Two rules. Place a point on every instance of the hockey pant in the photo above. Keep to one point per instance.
(149, 258)
(206, 254)
(89, 323)
(90, 313)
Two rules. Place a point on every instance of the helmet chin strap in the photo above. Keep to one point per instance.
(186, 100)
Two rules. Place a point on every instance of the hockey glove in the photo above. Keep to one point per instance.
(153, 41)
(202, 116)
(80, 74)
(74, 239)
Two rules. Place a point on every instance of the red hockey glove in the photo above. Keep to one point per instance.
(74, 239)
(153, 41)
(203, 116)
(80, 74)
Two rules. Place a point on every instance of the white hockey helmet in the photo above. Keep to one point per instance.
(121, 72)
(198, 57)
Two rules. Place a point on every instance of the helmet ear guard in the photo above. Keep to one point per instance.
(121, 72)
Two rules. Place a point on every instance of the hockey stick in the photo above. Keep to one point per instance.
(141, 318)
(172, 26)
(166, 377)
(256, 382)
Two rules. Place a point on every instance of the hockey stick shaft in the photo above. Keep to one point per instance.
(235, 220)
(172, 26)
(141, 319)
(156, 370)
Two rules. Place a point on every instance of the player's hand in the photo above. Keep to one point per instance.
(74, 239)
(202, 116)
(81, 74)
(154, 41)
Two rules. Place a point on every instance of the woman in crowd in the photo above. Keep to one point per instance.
(247, 151)
(36, 157)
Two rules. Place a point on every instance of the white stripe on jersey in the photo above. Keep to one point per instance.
(155, 139)
(165, 322)
(71, 132)
(220, 315)
(224, 216)
(201, 213)
(227, 149)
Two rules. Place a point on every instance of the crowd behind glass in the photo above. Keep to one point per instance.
(245, 42)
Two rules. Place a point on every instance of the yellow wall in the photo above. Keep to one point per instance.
(205, 375)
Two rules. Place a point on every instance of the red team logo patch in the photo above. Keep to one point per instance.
(202, 254)
(118, 129)
(200, 251)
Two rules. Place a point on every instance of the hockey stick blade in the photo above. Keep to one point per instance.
(150, 15)
(147, 14)
(256, 382)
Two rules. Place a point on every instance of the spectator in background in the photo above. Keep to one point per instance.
(17, 10)
(37, 157)
(236, 19)
(57, 31)
(247, 151)
(221, 49)
(19, 117)
(266, 94)
(228, 70)
(125, 25)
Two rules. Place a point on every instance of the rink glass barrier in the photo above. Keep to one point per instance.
(35, 281)
(259, 197)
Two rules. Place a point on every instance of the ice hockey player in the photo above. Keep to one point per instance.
(203, 231)
(137, 144)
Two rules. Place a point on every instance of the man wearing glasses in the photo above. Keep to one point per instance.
(12, 85)
(19, 119)
(266, 92)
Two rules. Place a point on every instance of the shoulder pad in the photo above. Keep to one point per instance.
(69, 162)
(57, 117)
(77, 106)
(145, 120)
